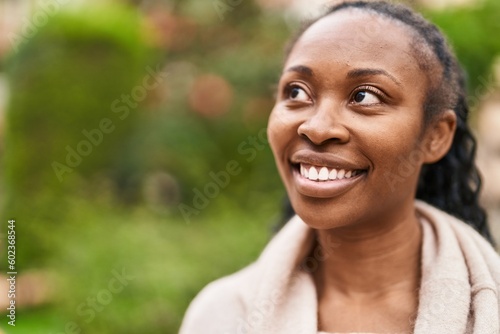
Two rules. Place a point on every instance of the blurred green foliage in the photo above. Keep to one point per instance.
(168, 260)
(247, 54)
(63, 81)
(473, 33)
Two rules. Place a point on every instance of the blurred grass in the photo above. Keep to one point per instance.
(38, 321)
(171, 262)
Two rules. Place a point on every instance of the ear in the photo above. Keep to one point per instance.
(439, 136)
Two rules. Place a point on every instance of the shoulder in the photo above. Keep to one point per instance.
(470, 245)
(223, 306)
(221, 303)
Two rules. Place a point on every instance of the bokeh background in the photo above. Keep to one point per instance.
(133, 151)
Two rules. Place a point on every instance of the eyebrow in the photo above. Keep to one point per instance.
(363, 72)
(356, 73)
(302, 70)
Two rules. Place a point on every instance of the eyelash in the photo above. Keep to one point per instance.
(377, 92)
(289, 87)
(373, 90)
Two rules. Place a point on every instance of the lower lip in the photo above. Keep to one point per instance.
(324, 189)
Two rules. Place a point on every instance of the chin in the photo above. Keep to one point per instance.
(323, 214)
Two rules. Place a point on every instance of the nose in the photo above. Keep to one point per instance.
(324, 124)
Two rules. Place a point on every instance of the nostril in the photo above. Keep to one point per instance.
(319, 133)
(319, 140)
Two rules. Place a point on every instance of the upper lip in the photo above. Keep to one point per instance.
(324, 160)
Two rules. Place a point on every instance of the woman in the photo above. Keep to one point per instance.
(369, 122)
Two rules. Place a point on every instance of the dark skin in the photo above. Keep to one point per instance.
(353, 99)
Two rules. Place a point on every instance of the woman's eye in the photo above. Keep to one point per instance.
(298, 94)
(364, 97)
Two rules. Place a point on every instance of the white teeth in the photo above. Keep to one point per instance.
(313, 174)
(323, 174)
(340, 174)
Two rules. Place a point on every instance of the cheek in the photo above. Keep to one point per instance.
(393, 145)
(281, 130)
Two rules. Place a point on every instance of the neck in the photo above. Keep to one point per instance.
(371, 260)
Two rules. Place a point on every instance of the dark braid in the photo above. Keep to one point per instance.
(453, 183)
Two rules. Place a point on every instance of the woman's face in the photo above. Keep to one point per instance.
(347, 125)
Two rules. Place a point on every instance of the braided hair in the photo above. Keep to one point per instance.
(453, 183)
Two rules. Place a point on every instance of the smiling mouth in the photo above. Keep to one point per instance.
(325, 174)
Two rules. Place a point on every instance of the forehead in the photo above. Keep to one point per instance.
(358, 38)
